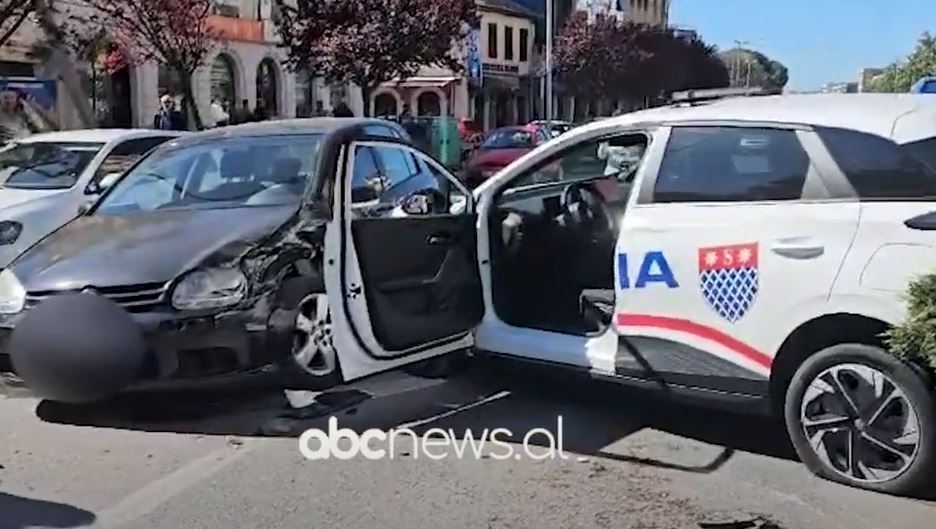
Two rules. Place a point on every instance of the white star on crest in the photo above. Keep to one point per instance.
(745, 255)
(711, 258)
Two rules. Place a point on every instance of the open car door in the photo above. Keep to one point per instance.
(401, 265)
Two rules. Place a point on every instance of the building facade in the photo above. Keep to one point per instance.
(245, 65)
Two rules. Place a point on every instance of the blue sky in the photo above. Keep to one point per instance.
(818, 40)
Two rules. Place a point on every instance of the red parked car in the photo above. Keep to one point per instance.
(501, 147)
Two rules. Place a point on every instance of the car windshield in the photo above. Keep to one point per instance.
(224, 173)
(45, 165)
(509, 139)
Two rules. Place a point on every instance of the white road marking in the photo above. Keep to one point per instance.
(148, 498)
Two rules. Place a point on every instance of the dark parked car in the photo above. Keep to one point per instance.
(501, 147)
(209, 257)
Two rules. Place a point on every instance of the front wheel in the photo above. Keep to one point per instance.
(314, 358)
(860, 416)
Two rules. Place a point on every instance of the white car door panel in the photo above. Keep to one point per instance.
(401, 288)
(896, 238)
(724, 276)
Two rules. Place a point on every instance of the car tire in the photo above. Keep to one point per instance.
(442, 367)
(313, 361)
(860, 416)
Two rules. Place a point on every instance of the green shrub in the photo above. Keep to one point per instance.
(915, 339)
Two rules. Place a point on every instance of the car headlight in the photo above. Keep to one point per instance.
(12, 293)
(210, 288)
(9, 231)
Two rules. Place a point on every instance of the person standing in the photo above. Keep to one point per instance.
(260, 112)
(242, 114)
(167, 117)
(21, 117)
(342, 110)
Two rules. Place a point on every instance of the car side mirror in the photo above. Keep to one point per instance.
(85, 206)
(417, 204)
(102, 185)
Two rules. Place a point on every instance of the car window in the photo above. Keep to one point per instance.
(45, 165)
(878, 168)
(381, 131)
(125, 154)
(618, 157)
(398, 164)
(731, 164)
(220, 173)
(384, 177)
(509, 139)
(365, 176)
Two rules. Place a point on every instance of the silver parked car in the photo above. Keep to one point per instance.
(46, 178)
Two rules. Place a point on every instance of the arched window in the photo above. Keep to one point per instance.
(267, 88)
(223, 84)
(385, 105)
(428, 104)
(308, 99)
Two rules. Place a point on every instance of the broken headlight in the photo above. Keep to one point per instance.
(210, 288)
(12, 293)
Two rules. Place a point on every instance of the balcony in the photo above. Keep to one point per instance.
(238, 29)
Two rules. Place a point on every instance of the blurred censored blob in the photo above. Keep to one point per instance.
(77, 348)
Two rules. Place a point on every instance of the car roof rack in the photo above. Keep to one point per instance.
(689, 97)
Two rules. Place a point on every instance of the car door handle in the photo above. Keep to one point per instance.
(797, 248)
(439, 239)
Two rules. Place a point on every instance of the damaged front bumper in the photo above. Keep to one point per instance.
(183, 346)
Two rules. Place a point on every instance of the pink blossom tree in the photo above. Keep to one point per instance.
(174, 33)
(369, 42)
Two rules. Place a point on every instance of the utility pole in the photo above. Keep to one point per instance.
(736, 63)
(549, 62)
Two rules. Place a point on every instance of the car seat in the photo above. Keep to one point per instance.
(235, 172)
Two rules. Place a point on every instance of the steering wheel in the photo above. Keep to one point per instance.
(583, 207)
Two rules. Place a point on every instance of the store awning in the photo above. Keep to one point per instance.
(501, 83)
(422, 81)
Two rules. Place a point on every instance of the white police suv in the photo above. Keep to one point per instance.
(748, 249)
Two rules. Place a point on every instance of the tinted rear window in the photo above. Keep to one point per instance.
(880, 169)
(727, 164)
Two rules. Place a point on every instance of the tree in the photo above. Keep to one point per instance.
(753, 68)
(901, 75)
(608, 58)
(601, 59)
(174, 33)
(12, 15)
(369, 42)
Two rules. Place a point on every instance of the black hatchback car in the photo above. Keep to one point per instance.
(212, 246)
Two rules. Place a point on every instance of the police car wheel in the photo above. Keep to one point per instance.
(859, 416)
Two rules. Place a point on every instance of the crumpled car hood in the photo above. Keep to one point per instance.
(103, 250)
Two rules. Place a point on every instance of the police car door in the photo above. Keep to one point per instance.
(731, 235)
(401, 271)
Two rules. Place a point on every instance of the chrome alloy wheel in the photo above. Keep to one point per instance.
(860, 423)
(313, 349)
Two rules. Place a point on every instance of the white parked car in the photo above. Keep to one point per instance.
(46, 178)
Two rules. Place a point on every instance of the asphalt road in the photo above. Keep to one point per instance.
(229, 458)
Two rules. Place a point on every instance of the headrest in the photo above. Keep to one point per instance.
(235, 164)
(285, 170)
